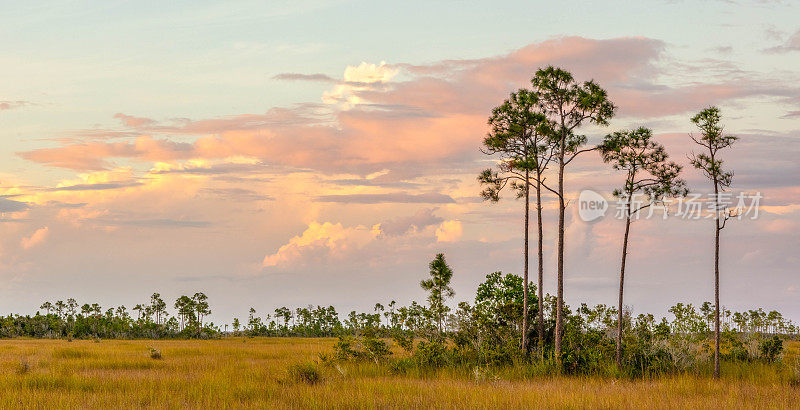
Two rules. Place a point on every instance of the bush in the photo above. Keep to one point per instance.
(375, 349)
(587, 353)
(305, 373)
(431, 354)
(343, 348)
(646, 359)
(738, 353)
(771, 348)
(361, 348)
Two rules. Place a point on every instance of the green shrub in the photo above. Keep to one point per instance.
(361, 348)
(343, 348)
(738, 353)
(642, 359)
(587, 352)
(375, 349)
(431, 354)
(771, 348)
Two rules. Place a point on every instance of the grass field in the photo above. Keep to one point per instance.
(239, 372)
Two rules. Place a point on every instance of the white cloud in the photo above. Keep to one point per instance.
(358, 78)
(369, 73)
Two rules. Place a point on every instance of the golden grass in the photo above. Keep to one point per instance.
(238, 372)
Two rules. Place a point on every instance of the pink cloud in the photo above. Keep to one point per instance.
(437, 113)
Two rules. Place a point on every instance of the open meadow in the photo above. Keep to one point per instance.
(254, 372)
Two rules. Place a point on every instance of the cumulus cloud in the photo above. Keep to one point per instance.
(359, 78)
(321, 241)
(38, 237)
(449, 231)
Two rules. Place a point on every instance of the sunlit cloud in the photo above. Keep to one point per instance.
(358, 78)
(449, 231)
(321, 241)
(37, 238)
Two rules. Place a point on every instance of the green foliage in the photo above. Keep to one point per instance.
(439, 290)
(517, 138)
(361, 348)
(712, 139)
(646, 164)
(771, 348)
(491, 331)
(567, 104)
(499, 300)
(431, 355)
(585, 351)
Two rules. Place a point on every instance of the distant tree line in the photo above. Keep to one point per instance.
(498, 305)
(151, 320)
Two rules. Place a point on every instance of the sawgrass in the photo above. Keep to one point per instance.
(261, 373)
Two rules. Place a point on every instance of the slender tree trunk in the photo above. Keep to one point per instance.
(541, 263)
(716, 282)
(525, 275)
(622, 286)
(560, 268)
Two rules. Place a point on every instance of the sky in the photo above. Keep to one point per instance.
(322, 152)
